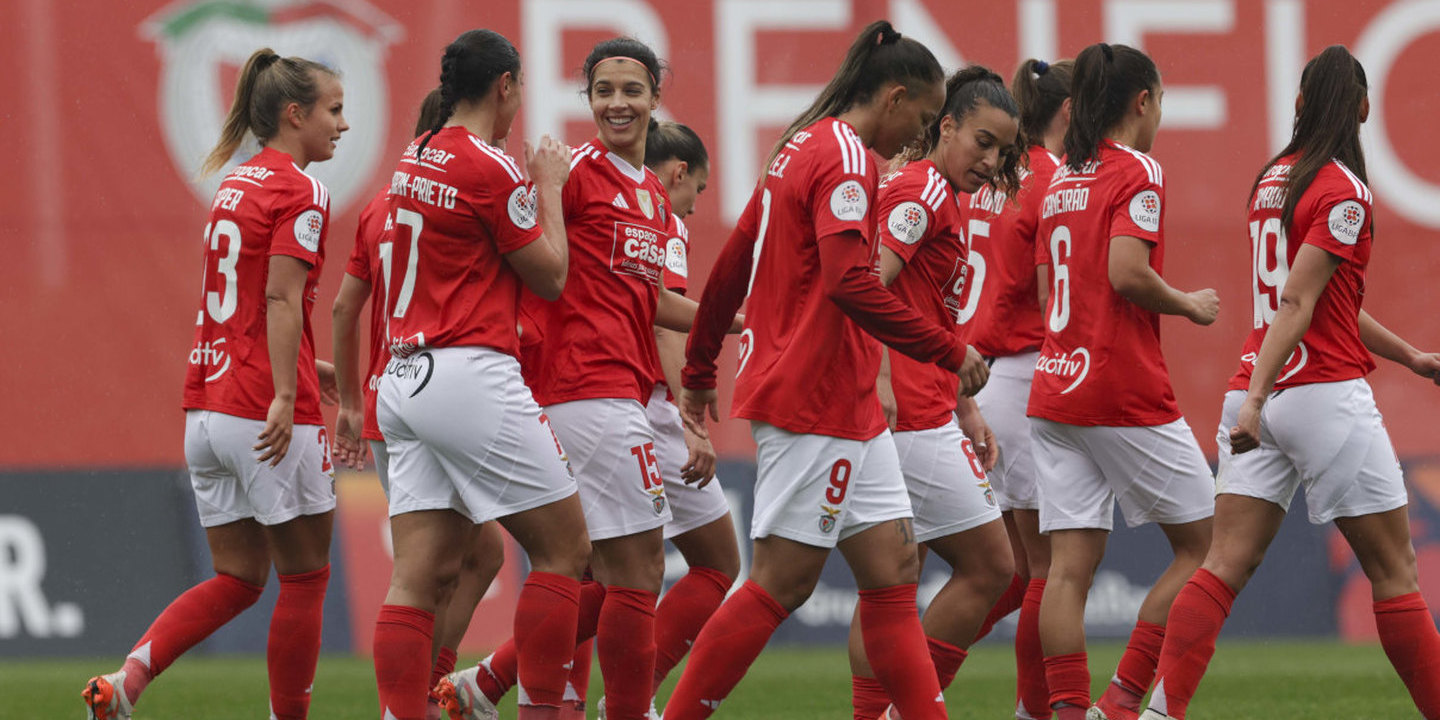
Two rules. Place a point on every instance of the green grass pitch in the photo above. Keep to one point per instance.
(1273, 680)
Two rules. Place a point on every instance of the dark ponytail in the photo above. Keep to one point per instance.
(878, 56)
(468, 71)
(670, 139)
(1040, 90)
(267, 84)
(429, 112)
(1327, 124)
(1107, 78)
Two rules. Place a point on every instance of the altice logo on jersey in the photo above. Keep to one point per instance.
(199, 39)
(1074, 364)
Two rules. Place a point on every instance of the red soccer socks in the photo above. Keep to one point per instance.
(190, 618)
(724, 650)
(1408, 635)
(1196, 616)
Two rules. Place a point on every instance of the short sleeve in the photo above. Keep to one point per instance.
(677, 257)
(367, 232)
(902, 221)
(1339, 217)
(511, 211)
(844, 184)
(302, 219)
(1139, 209)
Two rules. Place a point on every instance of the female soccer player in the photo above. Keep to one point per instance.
(593, 367)
(1003, 316)
(255, 441)
(367, 278)
(702, 529)
(1105, 425)
(923, 255)
(467, 442)
(1299, 411)
(828, 472)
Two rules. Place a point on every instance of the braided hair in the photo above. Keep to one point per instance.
(468, 71)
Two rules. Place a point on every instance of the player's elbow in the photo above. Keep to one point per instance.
(1129, 283)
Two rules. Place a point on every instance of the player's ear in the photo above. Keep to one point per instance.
(293, 114)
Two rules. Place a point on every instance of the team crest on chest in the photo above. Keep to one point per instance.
(647, 204)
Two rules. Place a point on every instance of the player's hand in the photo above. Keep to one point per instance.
(699, 469)
(982, 438)
(1204, 306)
(548, 163)
(1245, 436)
(349, 449)
(974, 372)
(694, 404)
(1427, 365)
(329, 388)
(279, 428)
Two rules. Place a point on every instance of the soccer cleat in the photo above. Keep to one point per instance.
(1150, 714)
(105, 697)
(461, 697)
(891, 713)
(654, 714)
(1095, 713)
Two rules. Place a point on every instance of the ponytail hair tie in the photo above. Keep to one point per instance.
(888, 35)
(1109, 52)
(1041, 67)
(267, 60)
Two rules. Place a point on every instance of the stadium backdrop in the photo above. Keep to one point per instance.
(111, 106)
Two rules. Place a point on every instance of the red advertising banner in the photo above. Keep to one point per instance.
(112, 106)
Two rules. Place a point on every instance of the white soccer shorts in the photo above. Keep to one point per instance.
(947, 485)
(691, 506)
(464, 433)
(1328, 438)
(1003, 402)
(232, 484)
(819, 490)
(382, 464)
(1155, 472)
(612, 451)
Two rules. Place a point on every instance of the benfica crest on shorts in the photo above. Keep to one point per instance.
(657, 497)
(828, 518)
(989, 492)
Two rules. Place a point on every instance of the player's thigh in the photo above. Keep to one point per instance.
(1157, 472)
(691, 507)
(948, 489)
(1073, 492)
(464, 434)
(1003, 403)
(818, 489)
(611, 450)
(1334, 435)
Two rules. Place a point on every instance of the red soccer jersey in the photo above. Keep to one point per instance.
(676, 276)
(1002, 311)
(1100, 363)
(1334, 215)
(456, 210)
(265, 206)
(365, 264)
(598, 339)
(917, 217)
(805, 365)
